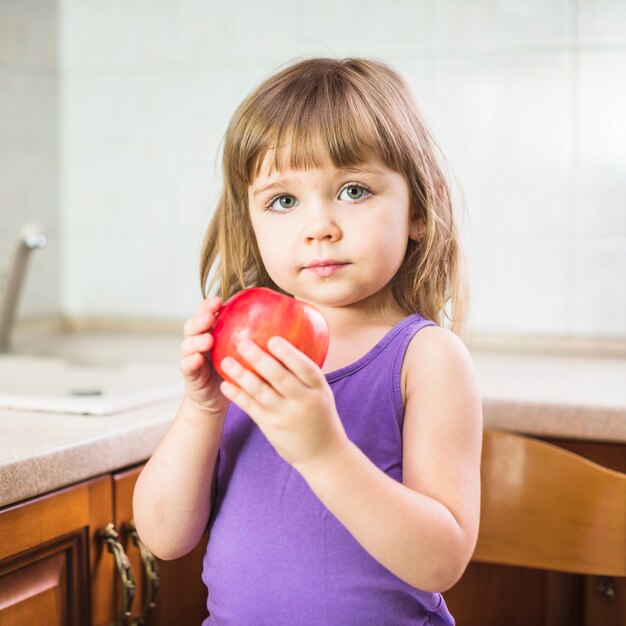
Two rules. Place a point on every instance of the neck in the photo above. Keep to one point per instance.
(354, 331)
(366, 316)
(346, 321)
(380, 310)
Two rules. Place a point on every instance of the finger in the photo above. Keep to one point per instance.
(271, 370)
(296, 361)
(243, 400)
(209, 305)
(249, 382)
(198, 324)
(191, 364)
(196, 343)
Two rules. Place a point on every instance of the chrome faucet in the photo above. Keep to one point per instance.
(31, 238)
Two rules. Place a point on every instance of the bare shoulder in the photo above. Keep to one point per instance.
(435, 352)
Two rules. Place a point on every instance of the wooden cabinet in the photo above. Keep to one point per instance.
(57, 569)
(50, 557)
(492, 595)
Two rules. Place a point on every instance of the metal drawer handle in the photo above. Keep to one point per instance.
(606, 587)
(124, 569)
(152, 570)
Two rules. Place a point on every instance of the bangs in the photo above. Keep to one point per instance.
(298, 148)
(310, 135)
(308, 122)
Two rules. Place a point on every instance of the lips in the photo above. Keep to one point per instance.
(324, 262)
(325, 267)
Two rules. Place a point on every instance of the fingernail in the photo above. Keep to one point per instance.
(275, 343)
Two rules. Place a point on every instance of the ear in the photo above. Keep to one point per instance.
(417, 227)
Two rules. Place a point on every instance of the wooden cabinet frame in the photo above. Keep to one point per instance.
(56, 569)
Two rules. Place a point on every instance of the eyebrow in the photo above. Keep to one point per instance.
(344, 170)
(277, 183)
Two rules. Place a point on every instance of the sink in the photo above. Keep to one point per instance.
(89, 373)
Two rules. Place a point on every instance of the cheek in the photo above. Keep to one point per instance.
(273, 247)
(388, 238)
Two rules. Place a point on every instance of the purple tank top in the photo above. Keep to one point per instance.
(276, 556)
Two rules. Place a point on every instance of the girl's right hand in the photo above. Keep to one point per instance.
(202, 382)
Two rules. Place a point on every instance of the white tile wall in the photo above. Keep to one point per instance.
(120, 34)
(601, 21)
(525, 97)
(117, 153)
(530, 274)
(29, 146)
(599, 295)
(494, 24)
(599, 181)
(28, 34)
(509, 149)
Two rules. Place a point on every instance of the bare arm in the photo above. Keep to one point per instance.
(172, 497)
(423, 530)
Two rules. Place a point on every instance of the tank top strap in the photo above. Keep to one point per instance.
(408, 329)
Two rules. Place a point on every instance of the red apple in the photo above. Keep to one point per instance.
(259, 314)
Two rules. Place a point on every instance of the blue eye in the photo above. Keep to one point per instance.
(282, 203)
(354, 193)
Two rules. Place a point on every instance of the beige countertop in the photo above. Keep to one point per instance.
(569, 397)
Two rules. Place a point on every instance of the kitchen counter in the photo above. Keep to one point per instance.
(40, 452)
(566, 397)
(554, 396)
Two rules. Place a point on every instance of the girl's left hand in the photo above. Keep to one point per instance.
(289, 399)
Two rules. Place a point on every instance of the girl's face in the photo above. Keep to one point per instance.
(333, 237)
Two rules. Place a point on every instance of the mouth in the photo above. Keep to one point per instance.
(326, 267)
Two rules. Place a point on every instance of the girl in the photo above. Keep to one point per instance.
(347, 495)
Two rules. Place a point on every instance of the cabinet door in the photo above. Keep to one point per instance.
(181, 596)
(492, 595)
(45, 557)
(39, 588)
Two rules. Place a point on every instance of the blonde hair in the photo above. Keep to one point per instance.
(342, 112)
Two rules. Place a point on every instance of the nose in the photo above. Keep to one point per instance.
(321, 224)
